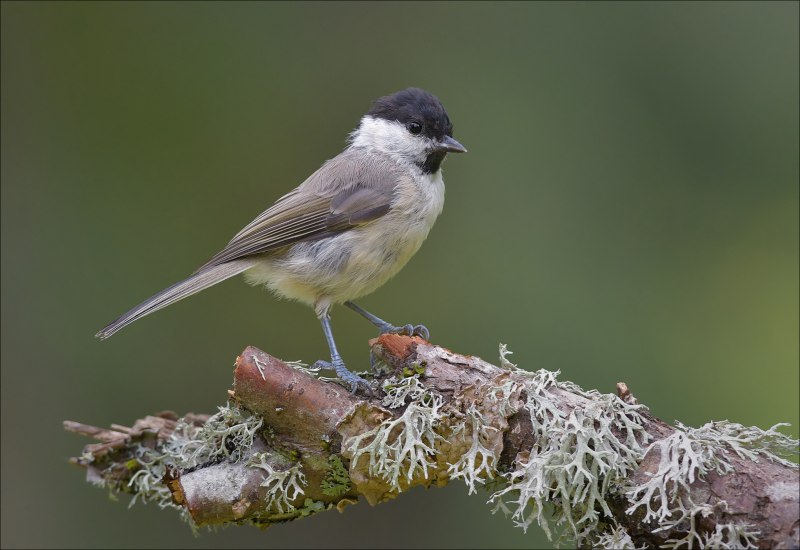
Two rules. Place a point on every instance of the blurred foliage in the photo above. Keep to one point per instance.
(628, 210)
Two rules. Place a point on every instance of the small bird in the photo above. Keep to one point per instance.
(347, 229)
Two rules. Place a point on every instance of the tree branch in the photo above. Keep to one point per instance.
(598, 467)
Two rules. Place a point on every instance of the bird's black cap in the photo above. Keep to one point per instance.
(414, 104)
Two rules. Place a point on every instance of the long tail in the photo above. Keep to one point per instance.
(194, 284)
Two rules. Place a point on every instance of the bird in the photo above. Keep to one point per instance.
(347, 229)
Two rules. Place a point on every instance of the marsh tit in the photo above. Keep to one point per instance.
(347, 229)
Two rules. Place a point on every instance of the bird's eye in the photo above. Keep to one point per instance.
(414, 127)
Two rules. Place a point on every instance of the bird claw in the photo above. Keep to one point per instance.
(353, 380)
(407, 330)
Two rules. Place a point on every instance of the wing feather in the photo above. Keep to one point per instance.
(343, 194)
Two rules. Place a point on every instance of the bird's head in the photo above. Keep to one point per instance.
(411, 126)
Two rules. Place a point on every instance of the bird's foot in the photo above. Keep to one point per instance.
(408, 330)
(351, 379)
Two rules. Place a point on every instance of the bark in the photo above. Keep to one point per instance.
(309, 422)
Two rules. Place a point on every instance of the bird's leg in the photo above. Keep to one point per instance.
(385, 328)
(337, 364)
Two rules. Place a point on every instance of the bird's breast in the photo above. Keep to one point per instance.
(418, 203)
(354, 263)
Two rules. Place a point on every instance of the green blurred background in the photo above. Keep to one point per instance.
(628, 210)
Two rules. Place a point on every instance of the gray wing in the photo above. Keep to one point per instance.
(343, 194)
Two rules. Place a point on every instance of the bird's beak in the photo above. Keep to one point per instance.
(451, 145)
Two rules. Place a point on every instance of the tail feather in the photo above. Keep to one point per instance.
(194, 284)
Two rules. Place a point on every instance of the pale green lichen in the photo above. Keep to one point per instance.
(682, 460)
(504, 362)
(749, 442)
(614, 538)
(687, 455)
(479, 462)
(146, 484)
(731, 536)
(580, 460)
(577, 458)
(690, 453)
(226, 435)
(726, 536)
(398, 392)
(583, 457)
(686, 522)
(401, 448)
(504, 395)
(312, 370)
(283, 486)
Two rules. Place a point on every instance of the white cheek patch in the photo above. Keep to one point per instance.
(390, 137)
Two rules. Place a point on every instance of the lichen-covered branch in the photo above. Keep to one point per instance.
(589, 468)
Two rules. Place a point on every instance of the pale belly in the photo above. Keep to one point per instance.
(343, 267)
(356, 262)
